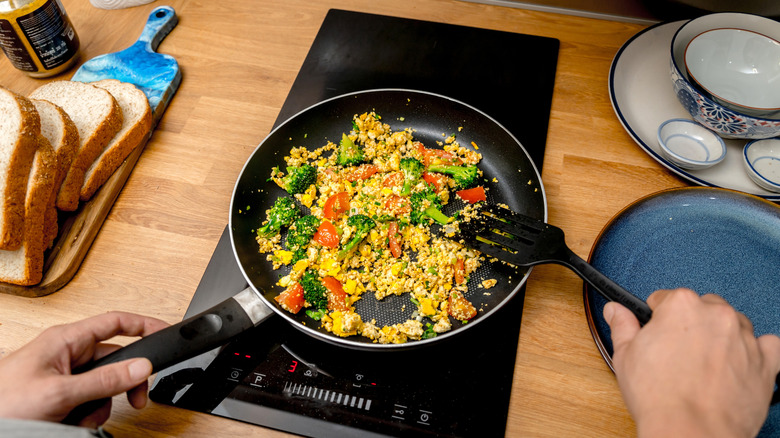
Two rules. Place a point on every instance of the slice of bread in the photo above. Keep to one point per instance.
(137, 122)
(63, 136)
(24, 266)
(19, 135)
(97, 116)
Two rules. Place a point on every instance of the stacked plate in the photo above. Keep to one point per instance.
(644, 97)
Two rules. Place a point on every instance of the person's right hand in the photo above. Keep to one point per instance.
(36, 381)
(695, 369)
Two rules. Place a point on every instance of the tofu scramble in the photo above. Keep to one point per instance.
(371, 201)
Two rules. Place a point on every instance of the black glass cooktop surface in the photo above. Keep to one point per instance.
(275, 376)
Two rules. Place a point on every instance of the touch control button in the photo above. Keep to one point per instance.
(399, 412)
(234, 374)
(424, 417)
(257, 380)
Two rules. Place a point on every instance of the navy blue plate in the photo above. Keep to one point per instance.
(707, 239)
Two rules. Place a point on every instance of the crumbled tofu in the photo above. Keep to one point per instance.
(425, 270)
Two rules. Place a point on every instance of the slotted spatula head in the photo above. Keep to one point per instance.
(156, 74)
(513, 238)
(524, 241)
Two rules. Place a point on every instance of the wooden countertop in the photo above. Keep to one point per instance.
(239, 60)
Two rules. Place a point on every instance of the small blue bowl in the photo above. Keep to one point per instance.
(762, 161)
(688, 145)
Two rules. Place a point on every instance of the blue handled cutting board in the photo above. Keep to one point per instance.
(156, 74)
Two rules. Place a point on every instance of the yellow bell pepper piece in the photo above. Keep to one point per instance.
(307, 198)
(283, 256)
(350, 287)
(331, 266)
(301, 265)
(427, 307)
(345, 324)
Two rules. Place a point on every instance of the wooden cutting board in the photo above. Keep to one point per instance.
(158, 76)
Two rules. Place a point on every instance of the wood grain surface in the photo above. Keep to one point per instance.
(239, 60)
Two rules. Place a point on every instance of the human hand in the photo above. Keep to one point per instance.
(695, 369)
(36, 381)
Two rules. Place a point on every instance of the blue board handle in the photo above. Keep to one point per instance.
(161, 21)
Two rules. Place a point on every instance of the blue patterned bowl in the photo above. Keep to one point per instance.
(725, 122)
(738, 68)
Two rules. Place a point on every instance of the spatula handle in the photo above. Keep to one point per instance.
(608, 288)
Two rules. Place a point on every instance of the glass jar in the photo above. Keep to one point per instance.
(37, 36)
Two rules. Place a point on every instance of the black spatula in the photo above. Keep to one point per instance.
(524, 241)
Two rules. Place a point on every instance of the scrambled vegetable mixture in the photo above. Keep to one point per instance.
(371, 200)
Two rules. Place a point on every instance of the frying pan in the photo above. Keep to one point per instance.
(510, 178)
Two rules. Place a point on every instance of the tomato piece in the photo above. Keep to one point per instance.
(394, 239)
(335, 205)
(364, 171)
(395, 179)
(327, 235)
(337, 297)
(473, 195)
(398, 205)
(291, 299)
(437, 180)
(460, 308)
(419, 147)
(460, 271)
(437, 156)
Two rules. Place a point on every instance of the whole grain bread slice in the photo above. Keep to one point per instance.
(24, 266)
(19, 135)
(137, 122)
(97, 116)
(63, 136)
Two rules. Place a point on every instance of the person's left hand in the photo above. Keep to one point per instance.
(36, 381)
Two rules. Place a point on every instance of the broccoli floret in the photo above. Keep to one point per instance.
(281, 214)
(349, 154)
(363, 224)
(412, 169)
(426, 204)
(464, 176)
(300, 234)
(299, 179)
(314, 292)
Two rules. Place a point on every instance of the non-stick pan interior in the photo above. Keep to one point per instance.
(510, 178)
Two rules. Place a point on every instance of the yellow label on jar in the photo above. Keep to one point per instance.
(37, 36)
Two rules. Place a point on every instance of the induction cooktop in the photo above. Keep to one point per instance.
(276, 376)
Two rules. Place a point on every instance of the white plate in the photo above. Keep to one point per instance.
(641, 92)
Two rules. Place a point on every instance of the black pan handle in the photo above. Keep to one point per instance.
(193, 336)
(187, 339)
(608, 288)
